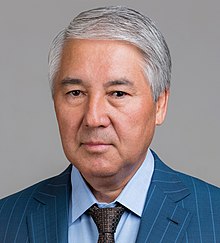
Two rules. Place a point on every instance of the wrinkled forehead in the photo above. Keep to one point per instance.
(89, 53)
(101, 61)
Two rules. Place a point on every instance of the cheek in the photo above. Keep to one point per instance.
(141, 114)
(138, 124)
(67, 123)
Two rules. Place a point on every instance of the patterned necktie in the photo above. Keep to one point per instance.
(106, 220)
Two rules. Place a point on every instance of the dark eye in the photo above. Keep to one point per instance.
(75, 92)
(119, 94)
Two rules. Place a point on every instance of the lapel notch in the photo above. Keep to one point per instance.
(164, 219)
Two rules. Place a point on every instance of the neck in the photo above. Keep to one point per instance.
(107, 194)
(108, 189)
(104, 196)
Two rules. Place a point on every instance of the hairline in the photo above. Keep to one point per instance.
(151, 43)
(141, 62)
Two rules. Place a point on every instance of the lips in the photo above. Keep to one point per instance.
(96, 146)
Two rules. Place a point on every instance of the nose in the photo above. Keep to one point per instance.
(96, 112)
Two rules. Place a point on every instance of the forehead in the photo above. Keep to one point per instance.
(79, 46)
(107, 59)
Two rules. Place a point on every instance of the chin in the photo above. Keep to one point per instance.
(100, 171)
(95, 166)
(103, 173)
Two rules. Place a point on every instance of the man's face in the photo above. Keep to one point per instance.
(104, 107)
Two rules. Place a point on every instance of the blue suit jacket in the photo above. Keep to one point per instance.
(178, 208)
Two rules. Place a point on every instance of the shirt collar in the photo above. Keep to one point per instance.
(141, 180)
(82, 198)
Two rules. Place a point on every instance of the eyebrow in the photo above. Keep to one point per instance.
(72, 81)
(68, 81)
(119, 82)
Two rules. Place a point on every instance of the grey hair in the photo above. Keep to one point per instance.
(119, 23)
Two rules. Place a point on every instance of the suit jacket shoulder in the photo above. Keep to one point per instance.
(178, 208)
(204, 203)
(17, 208)
(183, 208)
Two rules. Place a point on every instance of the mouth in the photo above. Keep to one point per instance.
(96, 147)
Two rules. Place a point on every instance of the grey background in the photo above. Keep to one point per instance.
(30, 148)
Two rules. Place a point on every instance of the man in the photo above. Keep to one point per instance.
(110, 76)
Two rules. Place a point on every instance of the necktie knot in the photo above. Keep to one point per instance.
(106, 220)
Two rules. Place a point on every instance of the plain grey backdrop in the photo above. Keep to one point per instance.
(30, 147)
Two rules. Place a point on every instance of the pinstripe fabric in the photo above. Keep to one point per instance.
(37, 214)
(178, 208)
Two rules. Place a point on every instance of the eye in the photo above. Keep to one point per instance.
(75, 93)
(119, 94)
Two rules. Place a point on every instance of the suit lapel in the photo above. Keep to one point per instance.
(163, 218)
(48, 222)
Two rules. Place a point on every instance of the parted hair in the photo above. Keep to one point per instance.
(123, 24)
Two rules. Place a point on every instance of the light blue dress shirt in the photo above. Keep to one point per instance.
(82, 228)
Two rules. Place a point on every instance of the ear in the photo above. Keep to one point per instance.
(161, 107)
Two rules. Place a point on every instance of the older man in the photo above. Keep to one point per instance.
(110, 78)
